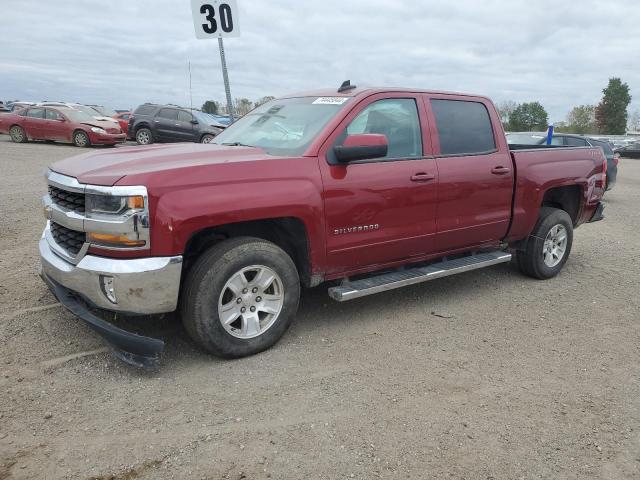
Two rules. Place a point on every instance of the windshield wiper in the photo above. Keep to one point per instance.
(236, 144)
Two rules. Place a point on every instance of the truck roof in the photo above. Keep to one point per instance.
(366, 91)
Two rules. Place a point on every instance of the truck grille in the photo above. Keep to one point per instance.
(69, 200)
(68, 239)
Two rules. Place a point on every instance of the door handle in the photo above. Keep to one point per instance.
(500, 170)
(422, 177)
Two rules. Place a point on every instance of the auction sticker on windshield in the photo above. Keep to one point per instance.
(330, 100)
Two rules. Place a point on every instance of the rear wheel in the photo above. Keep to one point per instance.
(240, 297)
(144, 136)
(81, 139)
(18, 134)
(549, 245)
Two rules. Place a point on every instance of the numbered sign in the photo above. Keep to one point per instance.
(216, 18)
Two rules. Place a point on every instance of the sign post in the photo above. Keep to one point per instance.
(217, 19)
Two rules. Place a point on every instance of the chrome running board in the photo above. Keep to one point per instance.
(401, 278)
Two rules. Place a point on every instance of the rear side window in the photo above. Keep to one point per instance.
(464, 128)
(35, 113)
(168, 113)
(576, 142)
(145, 110)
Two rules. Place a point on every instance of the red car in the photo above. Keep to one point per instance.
(123, 120)
(60, 124)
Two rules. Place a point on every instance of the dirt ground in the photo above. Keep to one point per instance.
(486, 375)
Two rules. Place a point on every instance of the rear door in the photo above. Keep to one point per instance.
(55, 126)
(380, 211)
(34, 123)
(474, 169)
(165, 124)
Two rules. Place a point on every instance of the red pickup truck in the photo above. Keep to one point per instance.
(372, 189)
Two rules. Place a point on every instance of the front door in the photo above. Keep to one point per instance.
(165, 124)
(185, 130)
(380, 211)
(475, 173)
(55, 126)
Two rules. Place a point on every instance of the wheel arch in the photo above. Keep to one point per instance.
(288, 233)
(567, 198)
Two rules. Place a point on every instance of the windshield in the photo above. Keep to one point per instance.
(205, 118)
(104, 111)
(78, 116)
(283, 127)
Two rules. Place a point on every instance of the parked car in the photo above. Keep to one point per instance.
(570, 140)
(123, 120)
(375, 188)
(222, 119)
(4, 107)
(60, 124)
(631, 150)
(168, 123)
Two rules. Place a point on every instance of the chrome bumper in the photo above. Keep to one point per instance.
(141, 285)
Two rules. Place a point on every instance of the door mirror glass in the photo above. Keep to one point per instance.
(361, 146)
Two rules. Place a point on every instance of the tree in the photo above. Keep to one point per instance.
(582, 119)
(242, 106)
(505, 109)
(611, 113)
(211, 106)
(263, 100)
(527, 117)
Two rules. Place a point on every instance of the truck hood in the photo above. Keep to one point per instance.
(108, 166)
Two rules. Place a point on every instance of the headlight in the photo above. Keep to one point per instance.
(112, 204)
(118, 220)
(98, 130)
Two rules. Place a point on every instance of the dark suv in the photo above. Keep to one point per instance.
(169, 123)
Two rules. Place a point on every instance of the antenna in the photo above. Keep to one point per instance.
(346, 85)
(190, 92)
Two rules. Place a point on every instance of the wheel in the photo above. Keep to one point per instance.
(549, 244)
(144, 136)
(18, 134)
(240, 297)
(207, 138)
(81, 139)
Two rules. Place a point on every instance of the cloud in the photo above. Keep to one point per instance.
(124, 53)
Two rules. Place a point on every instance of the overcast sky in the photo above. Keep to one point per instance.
(121, 53)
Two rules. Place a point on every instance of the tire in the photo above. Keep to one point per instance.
(209, 297)
(81, 139)
(207, 137)
(18, 135)
(144, 136)
(549, 245)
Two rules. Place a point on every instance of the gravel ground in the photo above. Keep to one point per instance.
(486, 375)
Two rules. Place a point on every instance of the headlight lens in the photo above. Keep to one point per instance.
(98, 130)
(112, 205)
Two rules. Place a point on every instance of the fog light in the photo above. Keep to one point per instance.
(107, 284)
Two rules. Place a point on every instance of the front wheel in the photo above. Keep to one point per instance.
(207, 138)
(81, 139)
(240, 297)
(549, 245)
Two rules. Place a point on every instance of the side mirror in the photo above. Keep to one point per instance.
(361, 146)
(194, 121)
(61, 119)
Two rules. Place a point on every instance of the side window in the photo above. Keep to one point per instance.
(52, 115)
(556, 140)
(395, 118)
(464, 128)
(184, 116)
(168, 113)
(125, 116)
(35, 113)
(576, 142)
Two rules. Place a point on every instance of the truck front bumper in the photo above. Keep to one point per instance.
(138, 286)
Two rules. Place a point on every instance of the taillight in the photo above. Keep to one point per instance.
(616, 159)
(604, 172)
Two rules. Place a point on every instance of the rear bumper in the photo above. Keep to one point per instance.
(598, 214)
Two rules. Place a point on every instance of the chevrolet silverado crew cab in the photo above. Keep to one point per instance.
(370, 189)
